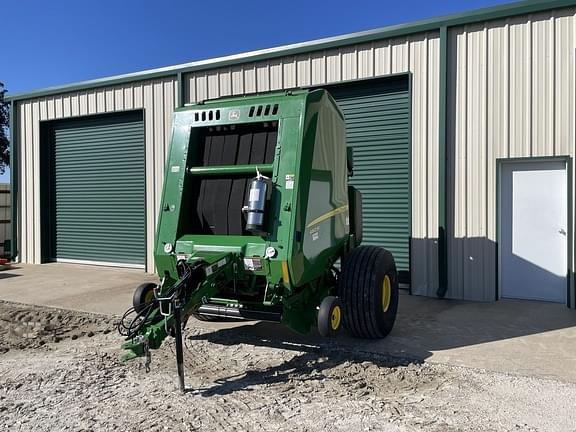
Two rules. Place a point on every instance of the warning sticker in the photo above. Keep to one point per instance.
(289, 181)
(175, 168)
(252, 264)
(315, 232)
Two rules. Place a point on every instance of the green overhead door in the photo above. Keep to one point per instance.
(98, 190)
(378, 128)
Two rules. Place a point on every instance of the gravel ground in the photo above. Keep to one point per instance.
(60, 370)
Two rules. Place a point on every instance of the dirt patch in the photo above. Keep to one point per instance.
(238, 381)
(30, 327)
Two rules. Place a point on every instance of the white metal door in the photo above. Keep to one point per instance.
(534, 230)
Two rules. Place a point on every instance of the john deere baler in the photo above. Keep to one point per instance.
(255, 213)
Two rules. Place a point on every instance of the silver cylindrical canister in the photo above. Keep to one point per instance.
(256, 205)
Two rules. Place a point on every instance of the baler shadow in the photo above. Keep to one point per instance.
(317, 356)
(8, 275)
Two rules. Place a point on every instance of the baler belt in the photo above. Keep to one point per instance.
(224, 186)
(235, 203)
(220, 200)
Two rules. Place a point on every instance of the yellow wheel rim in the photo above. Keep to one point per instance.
(149, 297)
(386, 293)
(335, 318)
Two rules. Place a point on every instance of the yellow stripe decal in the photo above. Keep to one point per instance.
(328, 215)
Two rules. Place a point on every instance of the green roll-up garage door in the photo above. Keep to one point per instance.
(378, 128)
(98, 190)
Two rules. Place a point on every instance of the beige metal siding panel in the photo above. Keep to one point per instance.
(138, 95)
(289, 72)
(333, 65)
(83, 103)
(58, 107)
(225, 82)
(433, 99)
(263, 77)
(424, 63)
(30, 183)
(250, 84)
(35, 171)
(148, 100)
(303, 71)
(159, 154)
(497, 130)
(475, 168)
(189, 88)
(365, 61)
(318, 68)
(92, 102)
(400, 55)
(564, 89)
(520, 87)
(419, 63)
(542, 85)
(213, 82)
(100, 101)
(50, 114)
(201, 87)
(382, 58)
(276, 74)
(128, 97)
(237, 80)
(349, 63)
(108, 102)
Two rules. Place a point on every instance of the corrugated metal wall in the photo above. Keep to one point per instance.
(511, 94)
(511, 86)
(418, 54)
(5, 216)
(157, 98)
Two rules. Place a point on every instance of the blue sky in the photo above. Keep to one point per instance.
(55, 42)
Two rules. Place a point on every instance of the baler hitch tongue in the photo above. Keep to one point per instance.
(157, 318)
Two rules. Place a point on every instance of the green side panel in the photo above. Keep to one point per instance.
(377, 116)
(98, 189)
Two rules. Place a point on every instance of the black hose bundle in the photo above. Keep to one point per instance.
(130, 327)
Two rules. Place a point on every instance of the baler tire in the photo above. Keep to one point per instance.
(369, 291)
(330, 317)
(143, 295)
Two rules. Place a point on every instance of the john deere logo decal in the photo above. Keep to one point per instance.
(234, 115)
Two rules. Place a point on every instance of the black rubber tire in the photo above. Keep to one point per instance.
(362, 294)
(325, 318)
(142, 294)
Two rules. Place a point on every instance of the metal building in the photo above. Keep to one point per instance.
(463, 129)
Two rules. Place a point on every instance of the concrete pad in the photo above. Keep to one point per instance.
(517, 337)
(105, 290)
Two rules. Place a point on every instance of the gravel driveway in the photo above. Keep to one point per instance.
(60, 370)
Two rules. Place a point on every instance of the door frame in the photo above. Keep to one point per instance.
(570, 297)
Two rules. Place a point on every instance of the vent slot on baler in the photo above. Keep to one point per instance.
(219, 199)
